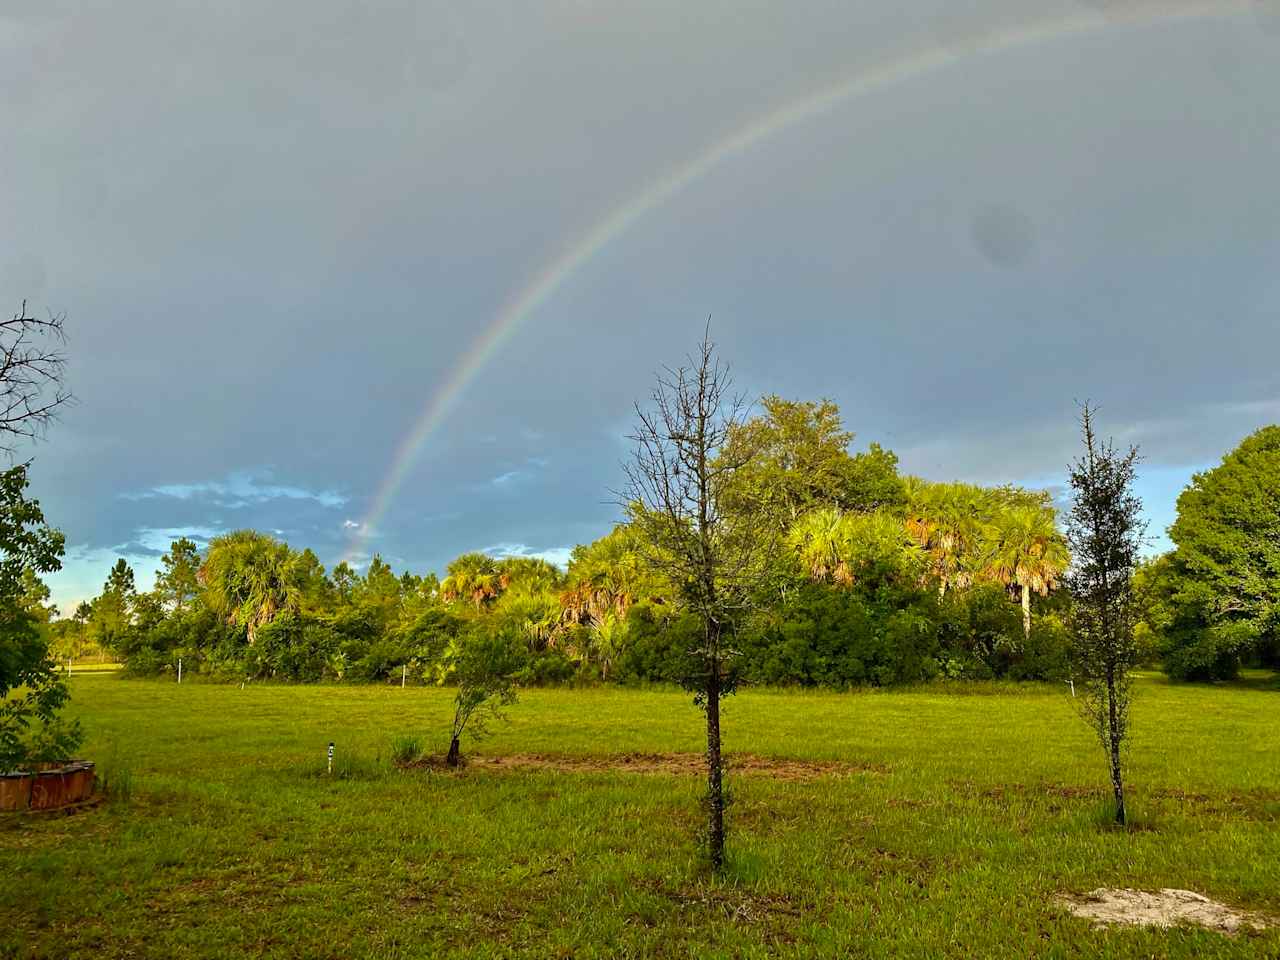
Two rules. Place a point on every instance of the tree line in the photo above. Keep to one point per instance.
(866, 577)
(871, 577)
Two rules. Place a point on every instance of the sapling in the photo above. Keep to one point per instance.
(1105, 532)
(484, 664)
(716, 557)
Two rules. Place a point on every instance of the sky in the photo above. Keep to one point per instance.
(389, 277)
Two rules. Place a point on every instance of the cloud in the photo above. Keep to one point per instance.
(351, 525)
(241, 489)
(555, 555)
(503, 479)
(160, 538)
(530, 469)
(84, 568)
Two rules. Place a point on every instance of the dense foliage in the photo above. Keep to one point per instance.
(873, 578)
(1213, 603)
(31, 688)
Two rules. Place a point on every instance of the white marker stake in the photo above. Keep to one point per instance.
(404, 672)
(330, 758)
(179, 669)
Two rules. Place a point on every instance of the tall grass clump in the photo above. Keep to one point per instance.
(405, 749)
(116, 781)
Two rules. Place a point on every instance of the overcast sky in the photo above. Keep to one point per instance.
(278, 232)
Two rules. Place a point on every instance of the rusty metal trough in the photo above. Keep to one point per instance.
(51, 787)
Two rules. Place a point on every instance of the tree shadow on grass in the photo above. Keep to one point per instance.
(1267, 680)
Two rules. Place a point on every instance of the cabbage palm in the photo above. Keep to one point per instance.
(841, 548)
(1028, 553)
(947, 520)
(250, 579)
(474, 577)
(820, 540)
(607, 640)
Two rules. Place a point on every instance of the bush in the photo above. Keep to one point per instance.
(839, 638)
(658, 648)
(147, 662)
(546, 669)
(380, 660)
(294, 648)
(1205, 653)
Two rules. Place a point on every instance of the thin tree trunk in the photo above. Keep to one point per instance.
(715, 783)
(1113, 737)
(454, 753)
(1026, 611)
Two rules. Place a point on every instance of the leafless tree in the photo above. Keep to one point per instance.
(31, 390)
(712, 557)
(1105, 530)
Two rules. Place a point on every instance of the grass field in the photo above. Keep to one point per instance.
(963, 813)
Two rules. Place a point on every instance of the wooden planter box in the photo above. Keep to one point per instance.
(51, 786)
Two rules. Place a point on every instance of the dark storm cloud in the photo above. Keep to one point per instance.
(276, 230)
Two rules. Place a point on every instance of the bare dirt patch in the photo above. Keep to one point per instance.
(667, 764)
(1167, 908)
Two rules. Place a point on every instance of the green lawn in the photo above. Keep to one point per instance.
(971, 810)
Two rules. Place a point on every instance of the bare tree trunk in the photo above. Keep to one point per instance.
(1113, 737)
(454, 756)
(679, 465)
(715, 775)
(1026, 611)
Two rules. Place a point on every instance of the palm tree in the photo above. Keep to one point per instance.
(843, 548)
(948, 520)
(250, 579)
(1028, 553)
(605, 577)
(474, 577)
(607, 640)
(820, 541)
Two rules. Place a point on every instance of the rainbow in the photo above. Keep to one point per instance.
(517, 310)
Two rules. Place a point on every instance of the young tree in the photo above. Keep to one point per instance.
(483, 663)
(1105, 531)
(675, 483)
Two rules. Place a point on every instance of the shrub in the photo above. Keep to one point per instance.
(548, 669)
(380, 660)
(484, 664)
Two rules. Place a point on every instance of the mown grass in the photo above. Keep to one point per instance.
(970, 813)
